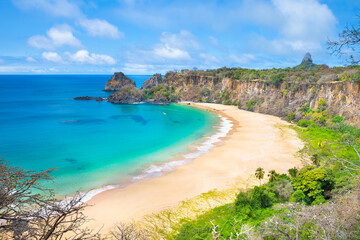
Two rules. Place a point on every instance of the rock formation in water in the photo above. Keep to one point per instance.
(98, 99)
(117, 81)
(152, 82)
(127, 94)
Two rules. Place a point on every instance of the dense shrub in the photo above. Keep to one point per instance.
(356, 77)
(313, 182)
(277, 79)
(290, 117)
(205, 92)
(258, 197)
(250, 105)
(322, 105)
(304, 123)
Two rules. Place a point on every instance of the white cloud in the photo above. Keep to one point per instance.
(57, 36)
(176, 46)
(171, 53)
(302, 26)
(98, 27)
(62, 35)
(182, 40)
(52, 56)
(243, 59)
(64, 8)
(40, 42)
(84, 57)
(305, 18)
(59, 8)
(30, 59)
(208, 58)
(138, 68)
(1, 60)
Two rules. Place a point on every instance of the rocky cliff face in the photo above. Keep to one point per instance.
(117, 81)
(152, 82)
(342, 98)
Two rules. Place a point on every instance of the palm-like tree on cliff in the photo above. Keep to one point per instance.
(259, 174)
(272, 175)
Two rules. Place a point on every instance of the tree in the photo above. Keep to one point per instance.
(124, 231)
(28, 210)
(259, 174)
(272, 175)
(348, 43)
(336, 219)
(293, 172)
(314, 183)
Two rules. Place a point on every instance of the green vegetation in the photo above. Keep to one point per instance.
(160, 93)
(292, 77)
(250, 105)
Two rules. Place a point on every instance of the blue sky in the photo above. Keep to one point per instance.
(144, 37)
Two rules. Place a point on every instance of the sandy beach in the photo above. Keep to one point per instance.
(256, 140)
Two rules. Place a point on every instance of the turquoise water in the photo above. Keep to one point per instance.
(90, 143)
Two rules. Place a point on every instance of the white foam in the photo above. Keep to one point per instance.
(90, 194)
(158, 170)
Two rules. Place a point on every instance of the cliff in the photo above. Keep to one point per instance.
(117, 81)
(341, 97)
(281, 92)
(152, 82)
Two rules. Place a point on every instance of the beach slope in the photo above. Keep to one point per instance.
(256, 140)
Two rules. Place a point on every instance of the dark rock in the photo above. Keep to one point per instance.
(307, 63)
(99, 99)
(307, 58)
(157, 101)
(127, 94)
(117, 81)
(152, 82)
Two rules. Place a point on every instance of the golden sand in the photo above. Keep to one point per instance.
(256, 140)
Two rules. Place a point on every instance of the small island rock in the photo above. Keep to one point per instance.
(117, 81)
(98, 99)
(127, 94)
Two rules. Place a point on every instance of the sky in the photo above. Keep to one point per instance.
(147, 37)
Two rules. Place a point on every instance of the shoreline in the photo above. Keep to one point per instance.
(158, 169)
(255, 140)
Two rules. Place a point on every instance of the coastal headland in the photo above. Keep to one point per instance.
(256, 140)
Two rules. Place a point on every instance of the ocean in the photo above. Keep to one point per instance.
(95, 144)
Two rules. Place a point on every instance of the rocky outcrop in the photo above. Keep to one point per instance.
(307, 58)
(98, 99)
(117, 81)
(307, 63)
(127, 94)
(154, 81)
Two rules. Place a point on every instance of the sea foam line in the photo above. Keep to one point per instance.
(158, 170)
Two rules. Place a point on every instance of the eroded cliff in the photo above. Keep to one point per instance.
(341, 97)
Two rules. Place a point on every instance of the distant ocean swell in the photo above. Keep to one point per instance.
(156, 170)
